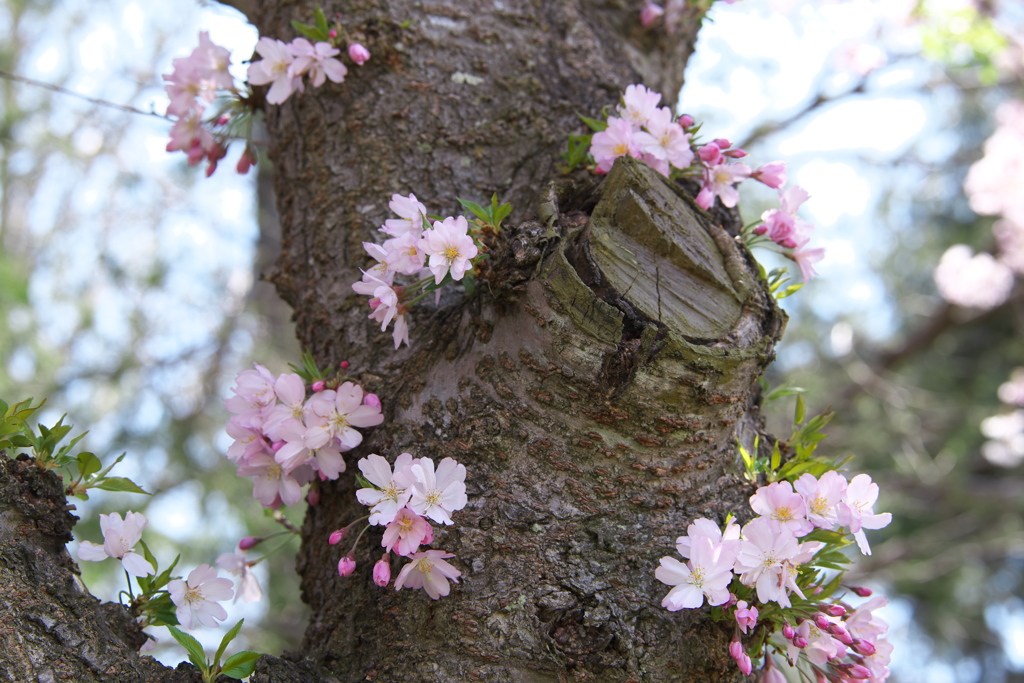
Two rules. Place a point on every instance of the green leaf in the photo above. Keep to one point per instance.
(88, 464)
(364, 482)
(789, 291)
(594, 124)
(776, 457)
(825, 536)
(311, 32)
(119, 484)
(228, 637)
(469, 284)
(801, 410)
(240, 664)
(192, 646)
(781, 392)
(321, 20)
(165, 576)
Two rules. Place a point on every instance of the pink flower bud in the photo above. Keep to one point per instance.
(761, 229)
(861, 591)
(860, 672)
(223, 119)
(705, 198)
(245, 162)
(788, 632)
(337, 536)
(319, 385)
(332, 33)
(722, 143)
(650, 13)
(371, 400)
(249, 542)
(276, 446)
(864, 647)
(836, 610)
(382, 571)
(344, 365)
(358, 54)
(745, 665)
(313, 497)
(772, 675)
(822, 621)
(685, 120)
(736, 153)
(735, 649)
(347, 565)
(710, 154)
(841, 634)
(800, 642)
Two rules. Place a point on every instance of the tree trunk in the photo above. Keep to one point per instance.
(594, 387)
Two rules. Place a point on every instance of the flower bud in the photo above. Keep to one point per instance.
(276, 446)
(319, 385)
(736, 153)
(859, 671)
(343, 365)
(822, 621)
(245, 162)
(788, 632)
(249, 542)
(836, 610)
(371, 400)
(710, 154)
(313, 497)
(800, 642)
(761, 229)
(685, 120)
(347, 565)
(735, 649)
(861, 591)
(864, 647)
(382, 571)
(337, 536)
(722, 143)
(650, 13)
(358, 54)
(332, 33)
(745, 665)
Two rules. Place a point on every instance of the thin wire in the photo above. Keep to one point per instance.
(64, 91)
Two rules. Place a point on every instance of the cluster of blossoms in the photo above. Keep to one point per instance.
(650, 133)
(196, 598)
(201, 78)
(445, 249)
(402, 501)
(766, 562)
(286, 434)
(195, 82)
(284, 64)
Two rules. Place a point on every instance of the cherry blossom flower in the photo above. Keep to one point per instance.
(613, 142)
(665, 140)
(784, 507)
(197, 597)
(638, 105)
(406, 531)
(274, 68)
(822, 497)
(404, 253)
(438, 494)
(119, 539)
(249, 589)
(429, 571)
(317, 61)
(271, 484)
(393, 490)
(291, 392)
(347, 565)
(650, 13)
(746, 615)
(704, 575)
(450, 248)
(771, 174)
(334, 414)
(410, 211)
(855, 510)
(767, 559)
(719, 181)
(703, 527)
(805, 258)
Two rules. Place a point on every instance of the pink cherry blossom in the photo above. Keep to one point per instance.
(665, 140)
(404, 254)
(973, 280)
(772, 174)
(767, 559)
(438, 494)
(616, 140)
(274, 68)
(786, 508)
(119, 539)
(450, 248)
(392, 491)
(347, 565)
(706, 574)
(271, 485)
(822, 497)
(719, 180)
(856, 513)
(805, 258)
(334, 414)
(705, 528)
(650, 13)
(638, 105)
(406, 532)
(249, 589)
(317, 61)
(197, 597)
(429, 571)
(410, 211)
(746, 615)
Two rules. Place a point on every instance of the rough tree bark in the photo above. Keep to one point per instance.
(594, 387)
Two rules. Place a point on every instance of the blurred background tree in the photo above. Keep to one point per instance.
(130, 291)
